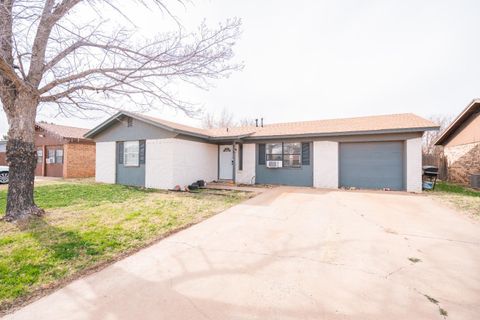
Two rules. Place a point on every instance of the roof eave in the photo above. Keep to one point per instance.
(229, 138)
(457, 122)
(344, 133)
(92, 133)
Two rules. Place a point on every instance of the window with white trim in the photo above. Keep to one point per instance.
(51, 156)
(290, 153)
(131, 154)
(39, 155)
(59, 156)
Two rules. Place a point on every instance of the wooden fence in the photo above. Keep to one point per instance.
(438, 160)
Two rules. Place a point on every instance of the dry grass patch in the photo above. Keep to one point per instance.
(88, 225)
(460, 197)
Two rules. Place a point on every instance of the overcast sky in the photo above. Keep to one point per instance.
(328, 59)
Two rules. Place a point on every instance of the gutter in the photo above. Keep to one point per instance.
(344, 133)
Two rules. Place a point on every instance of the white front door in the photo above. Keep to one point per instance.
(226, 162)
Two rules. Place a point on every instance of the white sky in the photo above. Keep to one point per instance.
(308, 60)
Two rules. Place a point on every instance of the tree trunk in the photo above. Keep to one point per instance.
(22, 159)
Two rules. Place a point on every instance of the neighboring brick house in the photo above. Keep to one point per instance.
(461, 142)
(63, 152)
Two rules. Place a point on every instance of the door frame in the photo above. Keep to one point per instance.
(220, 146)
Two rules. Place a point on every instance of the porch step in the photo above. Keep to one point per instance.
(224, 182)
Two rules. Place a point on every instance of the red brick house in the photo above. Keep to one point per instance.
(461, 144)
(62, 152)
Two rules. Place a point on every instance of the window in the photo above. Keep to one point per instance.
(130, 153)
(129, 122)
(290, 153)
(274, 152)
(59, 156)
(39, 155)
(51, 156)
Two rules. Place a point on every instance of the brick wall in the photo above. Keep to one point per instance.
(463, 160)
(79, 160)
(3, 160)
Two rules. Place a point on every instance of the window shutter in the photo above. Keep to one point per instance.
(141, 151)
(240, 156)
(120, 152)
(306, 153)
(261, 154)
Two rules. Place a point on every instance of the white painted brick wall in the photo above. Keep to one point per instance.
(159, 163)
(105, 156)
(194, 161)
(247, 175)
(414, 164)
(325, 164)
(171, 162)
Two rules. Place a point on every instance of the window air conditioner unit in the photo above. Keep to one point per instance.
(274, 164)
(47, 161)
(475, 180)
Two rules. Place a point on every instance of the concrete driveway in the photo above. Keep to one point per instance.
(293, 253)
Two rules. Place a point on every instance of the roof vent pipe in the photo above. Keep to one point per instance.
(261, 122)
(256, 122)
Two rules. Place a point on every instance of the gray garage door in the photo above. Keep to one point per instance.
(372, 165)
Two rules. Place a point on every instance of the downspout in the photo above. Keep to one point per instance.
(234, 164)
(218, 162)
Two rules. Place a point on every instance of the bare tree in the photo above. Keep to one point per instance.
(430, 137)
(48, 57)
(224, 119)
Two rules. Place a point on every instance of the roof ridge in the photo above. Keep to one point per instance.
(328, 119)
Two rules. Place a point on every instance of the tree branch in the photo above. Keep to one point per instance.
(7, 72)
(76, 65)
(47, 22)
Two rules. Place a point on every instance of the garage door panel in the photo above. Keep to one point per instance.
(372, 165)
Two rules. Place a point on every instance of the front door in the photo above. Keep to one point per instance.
(54, 161)
(226, 162)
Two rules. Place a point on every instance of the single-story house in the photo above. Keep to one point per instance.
(373, 152)
(62, 151)
(461, 142)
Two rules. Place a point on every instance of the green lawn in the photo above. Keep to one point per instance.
(89, 224)
(456, 189)
(460, 197)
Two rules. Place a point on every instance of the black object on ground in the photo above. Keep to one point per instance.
(430, 175)
(193, 186)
